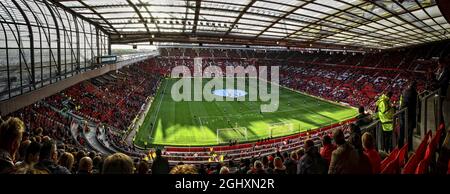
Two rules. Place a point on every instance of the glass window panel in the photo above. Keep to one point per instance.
(275, 6)
(290, 2)
(247, 21)
(285, 26)
(433, 11)
(215, 5)
(333, 3)
(408, 17)
(309, 13)
(242, 2)
(320, 8)
(71, 3)
(105, 2)
(284, 31)
(440, 20)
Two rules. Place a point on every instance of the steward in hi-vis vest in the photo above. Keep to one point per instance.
(385, 111)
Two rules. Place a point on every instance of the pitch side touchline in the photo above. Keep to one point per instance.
(157, 110)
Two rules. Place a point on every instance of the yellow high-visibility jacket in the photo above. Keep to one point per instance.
(385, 113)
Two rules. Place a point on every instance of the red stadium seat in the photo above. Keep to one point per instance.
(411, 165)
(431, 149)
(391, 168)
(392, 156)
(448, 168)
(402, 155)
(422, 168)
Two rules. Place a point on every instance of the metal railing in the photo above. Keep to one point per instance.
(376, 129)
(423, 118)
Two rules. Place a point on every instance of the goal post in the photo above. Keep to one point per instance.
(280, 129)
(224, 135)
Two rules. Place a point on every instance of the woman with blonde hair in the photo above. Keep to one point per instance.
(184, 169)
(66, 160)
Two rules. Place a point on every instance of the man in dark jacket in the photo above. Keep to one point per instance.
(311, 162)
(10, 136)
(48, 158)
(442, 82)
(442, 76)
(344, 160)
(160, 165)
(408, 100)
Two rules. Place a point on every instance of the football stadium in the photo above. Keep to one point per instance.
(224, 87)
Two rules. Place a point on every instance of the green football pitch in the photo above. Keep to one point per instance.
(202, 123)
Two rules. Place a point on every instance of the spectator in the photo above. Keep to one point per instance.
(38, 132)
(184, 169)
(363, 118)
(224, 170)
(202, 170)
(245, 166)
(311, 162)
(143, 167)
(31, 158)
(10, 136)
(364, 166)
(91, 155)
(80, 154)
(85, 166)
(327, 149)
(118, 163)
(265, 163)
(259, 167)
(279, 167)
(408, 100)
(442, 76)
(217, 168)
(300, 153)
(442, 81)
(292, 163)
(98, 165)
(160, 164)
(48, 158)
(386, 114)
(344, 158)
(20, 155)
(66, 160)
(371, 152)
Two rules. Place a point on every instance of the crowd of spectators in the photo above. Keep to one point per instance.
(40, 154)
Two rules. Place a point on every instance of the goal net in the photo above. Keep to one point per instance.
(280, 129)
(226, 135)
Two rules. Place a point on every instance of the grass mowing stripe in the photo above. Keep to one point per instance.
(176, 126)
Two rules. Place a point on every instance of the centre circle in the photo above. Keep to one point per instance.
(229, 93)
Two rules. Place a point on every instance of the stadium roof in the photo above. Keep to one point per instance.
(322, 23)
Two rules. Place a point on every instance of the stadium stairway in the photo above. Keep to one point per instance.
(92, 140)
(101, 139)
